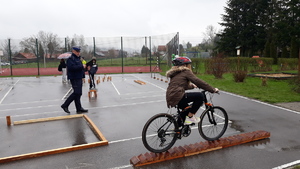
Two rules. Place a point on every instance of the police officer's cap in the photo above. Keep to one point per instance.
(77, 48)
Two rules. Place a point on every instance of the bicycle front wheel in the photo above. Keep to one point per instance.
(159, 133)
(213, 123)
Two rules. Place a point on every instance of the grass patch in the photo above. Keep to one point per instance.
(276, 91)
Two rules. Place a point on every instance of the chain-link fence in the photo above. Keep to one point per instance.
(39, 56)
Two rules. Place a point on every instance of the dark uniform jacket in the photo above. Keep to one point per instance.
(75, 68)
(181, 78)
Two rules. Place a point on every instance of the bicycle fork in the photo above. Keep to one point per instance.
(210, 114)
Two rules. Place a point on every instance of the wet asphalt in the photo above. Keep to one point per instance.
(120, 112)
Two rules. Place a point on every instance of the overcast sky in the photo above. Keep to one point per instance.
(110, 18)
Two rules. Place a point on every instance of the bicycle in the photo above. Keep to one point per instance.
(162, 130)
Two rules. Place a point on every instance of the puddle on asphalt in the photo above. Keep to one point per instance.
(235, 126)
(291, 148)
(260, 144)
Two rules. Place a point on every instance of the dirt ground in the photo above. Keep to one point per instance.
(291, 105)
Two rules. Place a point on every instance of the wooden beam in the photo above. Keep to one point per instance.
(53, 151)
(94, 128)
(47, 119)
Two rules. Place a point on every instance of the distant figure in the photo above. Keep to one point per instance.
(62, 68)
(92, 69)
(74, 70)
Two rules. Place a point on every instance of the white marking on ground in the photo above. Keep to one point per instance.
(123, 166)
(149, 83)
(288, 165)
(66, 95)
(115, 88)
(91, 108)
(8, 91)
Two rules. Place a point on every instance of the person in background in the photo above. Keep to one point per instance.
(182, 79)
(92, 69)
(63, 68)
(74, 71)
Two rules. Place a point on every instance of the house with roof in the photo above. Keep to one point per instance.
(162, 49)
(24, 58)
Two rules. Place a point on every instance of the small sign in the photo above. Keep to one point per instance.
(1, 53)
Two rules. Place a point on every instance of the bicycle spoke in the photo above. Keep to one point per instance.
(213, 124)
(158, 134)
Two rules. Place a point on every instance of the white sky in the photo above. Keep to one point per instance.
(110, 18)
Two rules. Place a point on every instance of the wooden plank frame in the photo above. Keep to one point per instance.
(59, 150)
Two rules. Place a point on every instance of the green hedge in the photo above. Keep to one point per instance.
(230, 64)
(288, 63)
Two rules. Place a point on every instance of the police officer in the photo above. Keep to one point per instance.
(75, 68)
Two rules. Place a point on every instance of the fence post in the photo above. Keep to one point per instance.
(150, 55)
(9, 49)
(94, 53)
(66, 45)
(178, 46)
(37, 55)
(122, 54)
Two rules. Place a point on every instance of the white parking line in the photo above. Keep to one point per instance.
(149, 83)
(66, 95)
(20, 103)
(288, 165)
(115, 88)
(91, 108)
(8, 91)
(123, 166)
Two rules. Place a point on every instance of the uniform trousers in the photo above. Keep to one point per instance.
(76, 95)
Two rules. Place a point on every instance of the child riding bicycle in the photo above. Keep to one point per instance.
(182, 79)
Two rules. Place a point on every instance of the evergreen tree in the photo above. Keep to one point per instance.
(261, 25)
(243, 26)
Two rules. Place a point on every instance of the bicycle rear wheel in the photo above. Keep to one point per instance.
(159, 133)
(213, 123)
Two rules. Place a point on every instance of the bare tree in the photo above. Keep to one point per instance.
(5, 47)
(29, 44)
(79, 40)
(48, 41)
(208, 42)
(210, 34)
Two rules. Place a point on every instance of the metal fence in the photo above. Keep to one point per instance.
(38, 56)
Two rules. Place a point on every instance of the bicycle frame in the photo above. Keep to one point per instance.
(208, 107)
(162, 130)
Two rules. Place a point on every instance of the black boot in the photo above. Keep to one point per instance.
(65, 109)
(82, 110)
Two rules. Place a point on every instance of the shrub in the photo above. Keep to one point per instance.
(295, 83)
(217, 66)
(196, 64)
(288, 63)
(239, 75)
